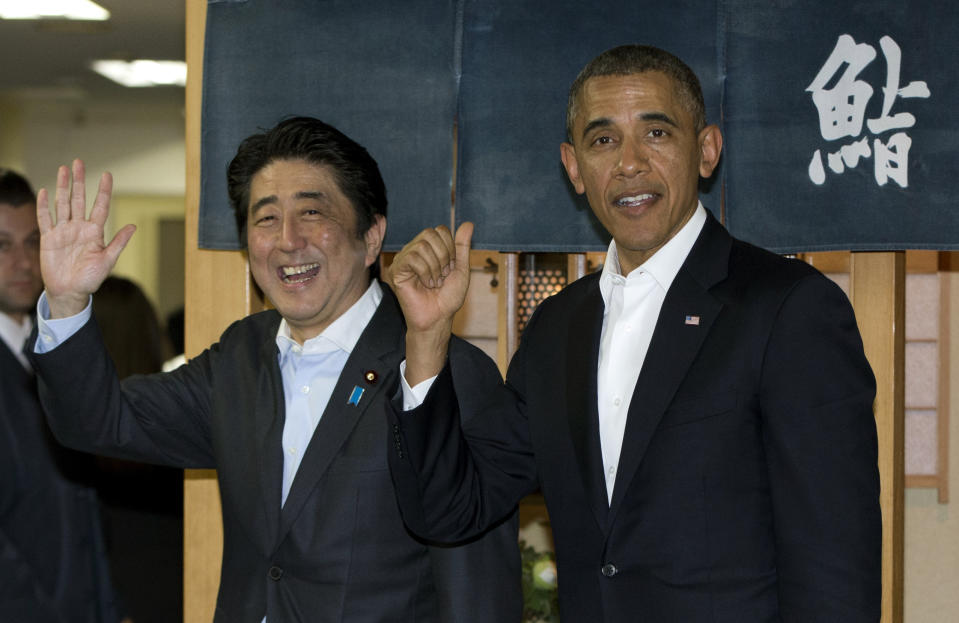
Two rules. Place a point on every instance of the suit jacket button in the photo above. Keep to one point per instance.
(609, 570)
(275, 573)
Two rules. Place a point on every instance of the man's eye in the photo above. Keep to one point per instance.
(603, 140)
(657, 132)
(264, 220)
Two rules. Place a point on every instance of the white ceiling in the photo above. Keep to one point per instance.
(50, 59)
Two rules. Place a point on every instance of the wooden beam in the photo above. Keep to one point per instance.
(218, 291)
(878, 292)
(507, 332)
(942, 415)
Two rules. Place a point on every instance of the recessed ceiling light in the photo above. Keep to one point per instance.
(53, 9)
(143, 73)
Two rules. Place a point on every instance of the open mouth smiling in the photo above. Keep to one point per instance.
(299, 273)
(631, 201)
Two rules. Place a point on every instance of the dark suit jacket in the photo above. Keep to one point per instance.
(338, 549)
(747, 489)
(53, 566)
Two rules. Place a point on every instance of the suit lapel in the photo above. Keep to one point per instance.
(582, 358)
(270, 413)
(379, 350)
(673, 348)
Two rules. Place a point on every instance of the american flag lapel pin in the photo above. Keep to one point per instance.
(692, 321)
(355, 396)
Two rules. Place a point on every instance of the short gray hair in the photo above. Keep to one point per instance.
(627, 60)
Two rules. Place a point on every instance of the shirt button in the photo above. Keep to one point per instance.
(617, 401)
(292, 451)
(275, 573)
(611, 471)
(609, 570)
(305, 389)
(47, 338)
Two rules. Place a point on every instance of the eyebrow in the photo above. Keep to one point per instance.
(659, 116)
(271, 199)
(603, 122)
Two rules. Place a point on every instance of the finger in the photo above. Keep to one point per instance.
(419, 266)
(464, 235)
(119, 242)
(62, 198)
(101, 206)
(424, 261)
(78, 199)
(434, 247)
(43, 212)
(445, 250)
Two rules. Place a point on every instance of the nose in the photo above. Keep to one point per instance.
(632, 158)
(291, 238)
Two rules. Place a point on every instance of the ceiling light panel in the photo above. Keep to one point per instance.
(53, 9)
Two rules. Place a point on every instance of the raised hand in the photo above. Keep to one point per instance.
(74, 260)
(430, 276)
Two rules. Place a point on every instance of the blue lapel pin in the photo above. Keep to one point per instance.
(355, 396)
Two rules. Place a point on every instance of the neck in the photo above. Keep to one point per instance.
(15, 316)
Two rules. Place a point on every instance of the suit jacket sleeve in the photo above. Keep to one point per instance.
(816, 396)
(478, 581)
(160, 418)
(462, 460)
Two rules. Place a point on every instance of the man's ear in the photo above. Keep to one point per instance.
(568, 154)
(710, 147)
(374, 238)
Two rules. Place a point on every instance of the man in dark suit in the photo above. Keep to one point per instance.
(698, 416)
(288, 406)
(52, 560)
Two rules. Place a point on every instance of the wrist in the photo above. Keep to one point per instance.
(66, 305)
(426, 353)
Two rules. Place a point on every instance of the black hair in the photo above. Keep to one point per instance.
(309, 139)
(15, 190)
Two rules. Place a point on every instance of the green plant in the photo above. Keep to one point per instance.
(540, 597)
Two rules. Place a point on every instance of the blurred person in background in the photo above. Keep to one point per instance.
(142, 503)
(53, 567)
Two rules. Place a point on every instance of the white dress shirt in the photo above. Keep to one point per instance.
(310, 373)
(14, 334)
(632, 306)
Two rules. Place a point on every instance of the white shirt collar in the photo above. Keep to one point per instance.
(14, 334)
(664, 265)
(343, 333)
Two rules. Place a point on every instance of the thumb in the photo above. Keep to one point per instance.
(120, 241)
(464, 235)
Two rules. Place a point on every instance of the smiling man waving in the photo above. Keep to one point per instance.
(288, 406)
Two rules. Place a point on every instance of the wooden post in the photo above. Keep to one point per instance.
(878, 291)
(508, 332)
(218, 291)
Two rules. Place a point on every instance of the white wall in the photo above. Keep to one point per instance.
(140, 141)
